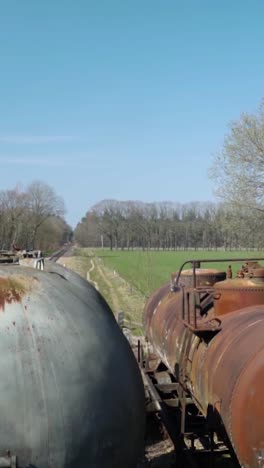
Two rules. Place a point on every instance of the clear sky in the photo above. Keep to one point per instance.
(124, 99)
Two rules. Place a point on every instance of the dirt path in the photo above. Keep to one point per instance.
(114, 297)
(119, 294)
(88, 277)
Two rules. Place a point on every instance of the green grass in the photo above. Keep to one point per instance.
(150, 269)
(118, 293)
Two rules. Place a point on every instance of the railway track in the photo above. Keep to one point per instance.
(59, 253)
(197, 445)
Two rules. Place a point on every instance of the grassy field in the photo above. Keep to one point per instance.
(147, 270)
(126, 279)
(117, 291)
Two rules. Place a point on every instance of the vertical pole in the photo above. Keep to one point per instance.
(212, 455)
(139, 352)
(183, 303)
(188, 307)
(194, 287)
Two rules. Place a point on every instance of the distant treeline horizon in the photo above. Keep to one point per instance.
(171, 226)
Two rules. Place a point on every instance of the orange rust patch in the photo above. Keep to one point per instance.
(11, 290)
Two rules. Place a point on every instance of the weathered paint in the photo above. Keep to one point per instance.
(204, 277)
(72, 394)
(240, 292)
(12, 289)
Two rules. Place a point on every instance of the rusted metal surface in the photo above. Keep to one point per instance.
(204, 277)
(249, 262)
(71, 392)
(240, 292)
(12, 289)
(247, 406)
(153, 301)
(223, 371)
(217, 371)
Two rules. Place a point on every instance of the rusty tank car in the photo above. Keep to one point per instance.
(209, 332)
(71, 391)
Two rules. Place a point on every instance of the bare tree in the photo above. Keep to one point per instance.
(12, 215)
(194, 225)
(52, 233)
(238, 170)
(42, 203)
(32, 217)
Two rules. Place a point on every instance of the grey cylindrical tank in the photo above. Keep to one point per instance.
(71, 394)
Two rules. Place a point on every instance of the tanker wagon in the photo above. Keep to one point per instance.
(71, 394)
(208, 331)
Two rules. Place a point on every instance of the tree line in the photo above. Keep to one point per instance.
(233, 223)
(32, 218)
(170, 226)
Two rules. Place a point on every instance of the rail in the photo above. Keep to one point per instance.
(194, 439)
(59, 253)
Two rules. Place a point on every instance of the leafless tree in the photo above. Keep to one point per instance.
(12, 213)
(238, 170)
(32, 218)
(42, 203)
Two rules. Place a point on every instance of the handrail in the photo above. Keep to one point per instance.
(196, 264)
(191, 292)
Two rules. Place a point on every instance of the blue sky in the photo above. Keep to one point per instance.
(124, 99)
